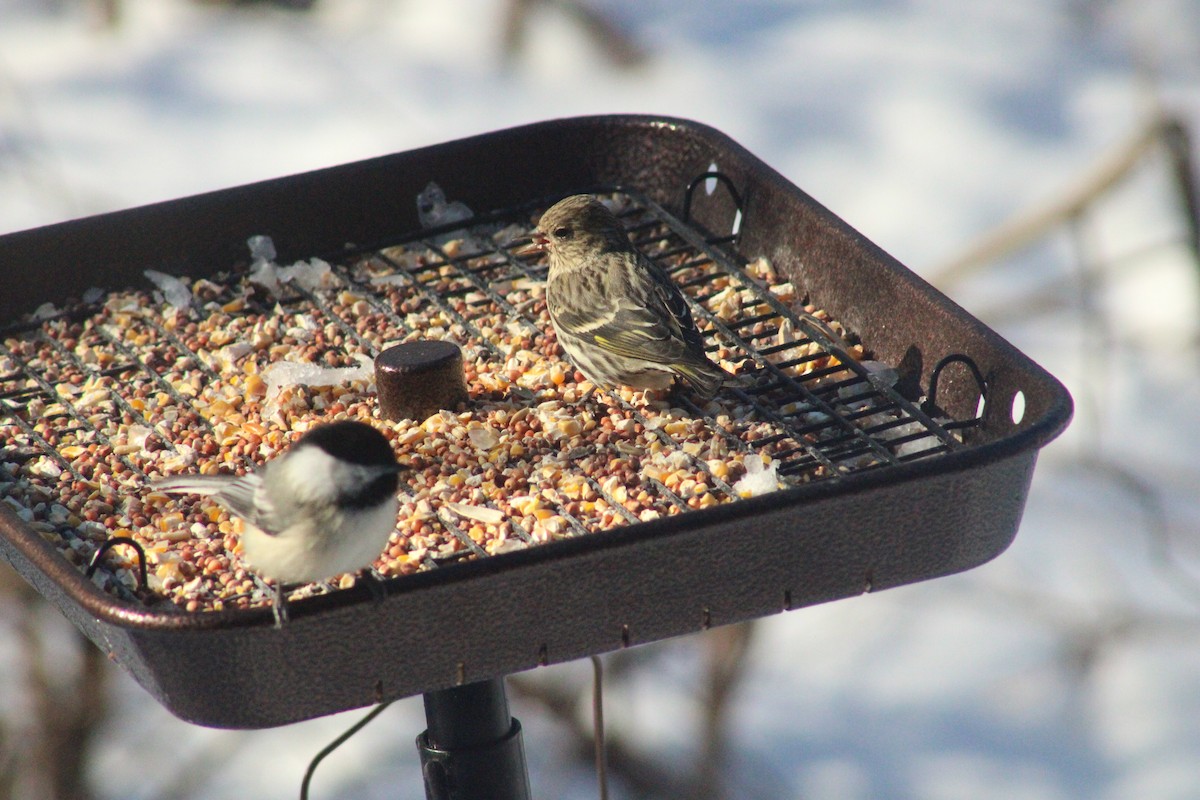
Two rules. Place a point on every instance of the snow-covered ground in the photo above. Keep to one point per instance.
(1067, 668)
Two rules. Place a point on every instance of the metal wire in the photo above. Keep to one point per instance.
(111, 543)
(335, 744)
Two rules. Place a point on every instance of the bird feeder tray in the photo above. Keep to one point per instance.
(902, 440)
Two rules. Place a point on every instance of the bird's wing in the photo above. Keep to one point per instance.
(625, 329)
(672, 299)
(253, 502)
(244, 496)
(205, 485)
(247, 497)
(650, 321)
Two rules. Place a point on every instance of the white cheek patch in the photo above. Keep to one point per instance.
(311, 474)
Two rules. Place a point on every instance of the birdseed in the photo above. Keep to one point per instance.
(99, 398)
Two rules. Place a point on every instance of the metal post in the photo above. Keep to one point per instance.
(472, 749)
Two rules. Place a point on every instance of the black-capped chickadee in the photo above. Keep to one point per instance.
(325, 507)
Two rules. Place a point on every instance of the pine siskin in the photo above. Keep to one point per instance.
(619, 318)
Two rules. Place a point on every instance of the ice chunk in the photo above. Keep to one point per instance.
(391, 280)
(881, 375)
(44, 311)
(138, 434)
(174, 291)
(282, 374)
(433, 210)
(509, 234)
(309, 275)
(760, 477)
(265, 274)
(261, 248)
(263, 271)
(921, 444)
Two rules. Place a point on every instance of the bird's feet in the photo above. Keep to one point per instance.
(279, 606)
(374, 583)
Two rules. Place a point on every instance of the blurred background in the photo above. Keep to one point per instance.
(1033, 159)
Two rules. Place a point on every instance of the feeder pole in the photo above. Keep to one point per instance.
(472, 749)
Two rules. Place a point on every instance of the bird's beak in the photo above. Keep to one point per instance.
(537, 245)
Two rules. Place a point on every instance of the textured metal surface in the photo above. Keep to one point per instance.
(472, 621)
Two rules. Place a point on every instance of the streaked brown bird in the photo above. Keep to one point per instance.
(618, 316)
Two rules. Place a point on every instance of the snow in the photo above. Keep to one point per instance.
(309, 275)
(174, 291)
(280, 375)
(760, 478)
(433, 210)
(1067, 667)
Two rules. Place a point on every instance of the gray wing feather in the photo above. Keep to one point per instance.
(243, 496)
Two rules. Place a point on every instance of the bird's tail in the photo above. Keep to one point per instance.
(191, 484)
(742, 380)
(706, 378)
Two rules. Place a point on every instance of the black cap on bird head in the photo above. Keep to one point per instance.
(354, 442)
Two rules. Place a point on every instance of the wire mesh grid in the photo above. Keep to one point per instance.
(73, 386)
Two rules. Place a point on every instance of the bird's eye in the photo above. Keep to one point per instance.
(562, 232)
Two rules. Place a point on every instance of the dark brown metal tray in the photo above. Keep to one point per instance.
(905, 519)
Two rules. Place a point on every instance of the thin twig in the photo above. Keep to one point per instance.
(1024, 229)
(598, 725)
